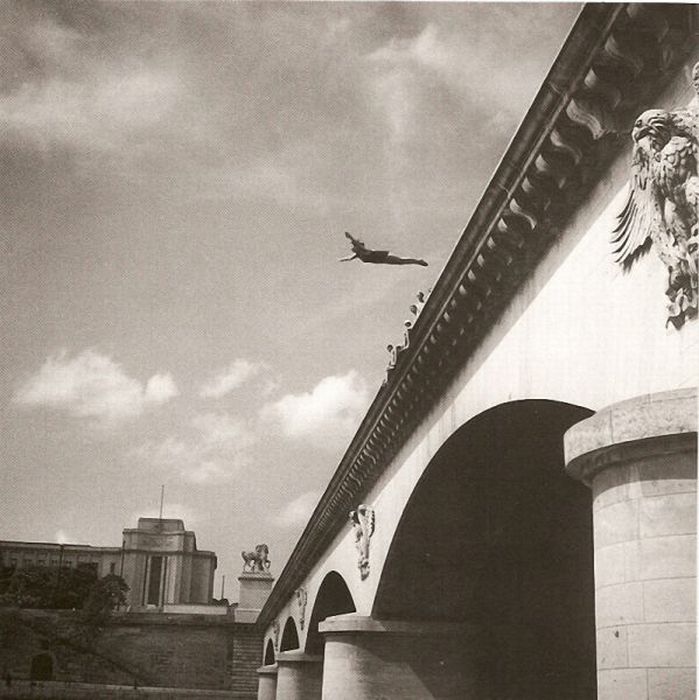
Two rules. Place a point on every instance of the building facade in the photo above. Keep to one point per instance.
(158, 559)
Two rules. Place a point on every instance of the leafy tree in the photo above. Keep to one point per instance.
(106, 594)
(45, 587)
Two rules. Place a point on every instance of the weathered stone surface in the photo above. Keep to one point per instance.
(620, 604)
(670, 600)
(299, 676)
(641, 466)
(672, 684)
(267, 682)
(622, 684)
(668, 644)
(665, 413)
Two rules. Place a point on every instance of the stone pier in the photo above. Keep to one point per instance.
(639, 459)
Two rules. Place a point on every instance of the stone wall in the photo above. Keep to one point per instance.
(181, 651)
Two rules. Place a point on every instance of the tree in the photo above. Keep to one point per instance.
(105, 596)
(46, 587)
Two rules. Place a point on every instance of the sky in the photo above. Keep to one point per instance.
(175, 181)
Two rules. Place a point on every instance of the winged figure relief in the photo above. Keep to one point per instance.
(662, 208)
(363, 521)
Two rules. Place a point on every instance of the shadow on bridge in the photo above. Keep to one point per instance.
(498, 538)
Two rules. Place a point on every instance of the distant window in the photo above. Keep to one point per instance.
(112, 567)
(54, 561)
(13, 561)
(27, 562)
(40, 562)
(156, 571)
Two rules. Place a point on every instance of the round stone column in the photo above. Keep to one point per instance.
(267, 682)
(299, 676)
(639, 457)
(366, 659)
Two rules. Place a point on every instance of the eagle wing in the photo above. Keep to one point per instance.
(632, 235)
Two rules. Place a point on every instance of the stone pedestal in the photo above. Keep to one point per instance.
(639, 459)
(367, 659)
(254, 591)
(299, 676)
(267, 682)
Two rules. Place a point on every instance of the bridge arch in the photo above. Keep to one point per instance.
(333, 598)
(497, 537)
(269, 657)
(290, 636)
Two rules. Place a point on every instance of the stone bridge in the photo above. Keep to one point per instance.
(522, 488)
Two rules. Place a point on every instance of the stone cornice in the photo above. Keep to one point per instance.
(611, 64)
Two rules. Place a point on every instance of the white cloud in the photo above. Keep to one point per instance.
(160, 388)
(91, 385)
(216, 448)
(76, 96)
(99, 113)
(328, 414)
(297, 512)
(405, 72)
(236, 374)
(63, 538)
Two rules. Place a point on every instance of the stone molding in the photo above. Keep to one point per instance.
(614, 62)
(352, 623)
(296, 656)
(652, 424)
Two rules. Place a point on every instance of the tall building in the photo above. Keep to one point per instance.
(162, 565)
(158, 559)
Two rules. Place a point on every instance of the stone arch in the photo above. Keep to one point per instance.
(290, 636)
(334, 598)
(497, 537)
(269, 656)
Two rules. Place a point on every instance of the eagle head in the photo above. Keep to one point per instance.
(656, 124)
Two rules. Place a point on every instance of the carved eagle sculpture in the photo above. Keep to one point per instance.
(662, 208)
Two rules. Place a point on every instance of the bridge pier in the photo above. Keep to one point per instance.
(299, 676)
(639, 459)
(367, 659)
(267, 682)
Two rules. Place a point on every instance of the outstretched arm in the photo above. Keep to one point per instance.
(349, 257)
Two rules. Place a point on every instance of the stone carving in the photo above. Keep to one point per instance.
(257, 561)
(662, 207)
(363, 521)
(275, 633)
(302, 598)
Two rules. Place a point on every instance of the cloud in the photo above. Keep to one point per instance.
(326, 415)
(72, 94)
(407, 73)
(236, 374)
(160, 388)
(297, 512)
(215, 449)
(100, 113)
(91, 385)
(63, 538)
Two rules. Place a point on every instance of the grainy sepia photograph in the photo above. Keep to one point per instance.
(349, 350)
